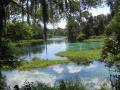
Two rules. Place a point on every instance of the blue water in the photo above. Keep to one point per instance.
(54, 46)
(95, 73)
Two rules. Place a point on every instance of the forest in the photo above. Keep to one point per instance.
(83, 55)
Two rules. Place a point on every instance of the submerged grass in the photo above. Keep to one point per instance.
(28, 65)
(81, 54)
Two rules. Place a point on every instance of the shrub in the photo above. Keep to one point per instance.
(19, 31)
(81, 37)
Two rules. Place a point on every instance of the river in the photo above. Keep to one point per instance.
(96, 73)
(54, 45)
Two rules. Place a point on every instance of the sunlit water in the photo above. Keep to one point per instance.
(54, 46)
(96, 73)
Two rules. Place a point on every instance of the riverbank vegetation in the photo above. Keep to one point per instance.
(112, 43)
(26, 22)
(100, 38)
(76, 84)
(78, 55)
(29, 42)
(35, 64)
(88, 54)
(35, 16)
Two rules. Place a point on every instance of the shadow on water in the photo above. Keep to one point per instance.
(28, 49)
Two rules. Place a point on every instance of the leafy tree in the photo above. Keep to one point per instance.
(73, 29)
(57, 32)
(37, 31)
(112, 43)
(100, 22)
(49, 9)
(114, 6)
(19, 31)
(6, 55)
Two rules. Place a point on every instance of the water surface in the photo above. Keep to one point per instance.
(54, 46)
(95, 74)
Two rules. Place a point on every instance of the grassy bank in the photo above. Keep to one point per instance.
(16, 45)
(28, 65)
(81, 54)
(96, 39)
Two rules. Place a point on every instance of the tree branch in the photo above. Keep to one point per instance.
(12, 1)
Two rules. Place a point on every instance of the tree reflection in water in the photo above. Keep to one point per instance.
(114, 75)
(2, 81)
(114, 78)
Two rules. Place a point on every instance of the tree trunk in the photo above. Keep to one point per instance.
(28, 16)
(1, 19)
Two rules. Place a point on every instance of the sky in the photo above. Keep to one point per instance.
(100, 10)
(95, 11)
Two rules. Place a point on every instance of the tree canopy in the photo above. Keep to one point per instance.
(35, 12)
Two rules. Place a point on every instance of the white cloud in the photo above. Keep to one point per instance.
(74, 69)
(99, 82)
(91, 66)
(19, 78)
(100, 10)
(62, 24)
(58, 69)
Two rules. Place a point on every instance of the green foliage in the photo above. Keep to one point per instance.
(81, 37)
(112, 43)
(114, 6)
(36, 63)
(90, 25)
(8, 55)
(19, 31)
(81, 54)
(92, 3)
(58, 32)
(103, 88)
(75, 84)
(95, 25)
(37, 30)
(100, 38)
(29, 42)
(72, 27)
(62, 85)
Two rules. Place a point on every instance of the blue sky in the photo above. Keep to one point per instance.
(104, 9)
